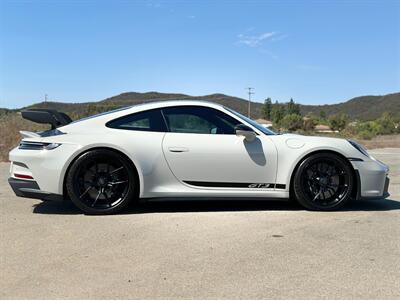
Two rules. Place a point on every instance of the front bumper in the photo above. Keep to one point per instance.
(372, 178)
(30, 189)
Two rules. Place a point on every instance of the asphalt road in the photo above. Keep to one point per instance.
(201, 250)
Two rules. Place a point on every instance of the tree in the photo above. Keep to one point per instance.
(278, 112)
(293, 108)
(267, 108)
(322, 114)
(338, 122)
(292, 122)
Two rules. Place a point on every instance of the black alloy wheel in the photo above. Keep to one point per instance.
(101, 182)
(323, 181)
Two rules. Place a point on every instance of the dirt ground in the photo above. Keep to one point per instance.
(382, 141)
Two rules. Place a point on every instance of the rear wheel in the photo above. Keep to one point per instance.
(323, 181)
(101, 182)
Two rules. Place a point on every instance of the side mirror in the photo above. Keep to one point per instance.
(246, 131)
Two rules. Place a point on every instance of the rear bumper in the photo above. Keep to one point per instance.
(47, 167)
(30, 189)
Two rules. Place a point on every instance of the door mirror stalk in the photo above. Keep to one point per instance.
(246, 131)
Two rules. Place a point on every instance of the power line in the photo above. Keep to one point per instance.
(250, 92)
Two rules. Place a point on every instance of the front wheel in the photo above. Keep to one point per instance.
(101, 182)
(323, 181)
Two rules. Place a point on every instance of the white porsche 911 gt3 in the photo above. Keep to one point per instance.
(186, 149)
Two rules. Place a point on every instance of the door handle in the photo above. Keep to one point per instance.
(178, 149)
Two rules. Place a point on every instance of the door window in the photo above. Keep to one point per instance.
(197, 119)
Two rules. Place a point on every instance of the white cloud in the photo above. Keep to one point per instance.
(254, 40)
(279, 37)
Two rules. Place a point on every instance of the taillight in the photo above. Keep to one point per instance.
(37, 146)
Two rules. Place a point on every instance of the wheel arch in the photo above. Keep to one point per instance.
(119, 152)
(354, 192)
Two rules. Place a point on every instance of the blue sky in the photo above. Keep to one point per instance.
(316, 52)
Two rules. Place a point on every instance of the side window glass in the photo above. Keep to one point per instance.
(197, 119)
(227, 122)
(187, 123)
(150, 120)
(142, 123)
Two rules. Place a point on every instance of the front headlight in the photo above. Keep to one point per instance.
(359, 147)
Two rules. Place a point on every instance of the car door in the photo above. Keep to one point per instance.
(202, 149)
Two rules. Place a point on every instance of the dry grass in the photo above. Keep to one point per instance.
(10, 126)
(382, 141)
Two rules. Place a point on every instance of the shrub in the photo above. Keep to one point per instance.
(309, 124)
(338, 122)
(385, 124)
(292, 122)
(366, 135)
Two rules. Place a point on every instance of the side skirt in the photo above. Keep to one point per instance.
(205, 198)
(236, 185)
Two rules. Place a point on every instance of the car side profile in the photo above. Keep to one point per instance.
(186, 150)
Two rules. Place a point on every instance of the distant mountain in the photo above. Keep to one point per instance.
(239, 104)
(364, 107)
(131, 98)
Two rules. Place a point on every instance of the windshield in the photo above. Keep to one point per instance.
(264, 130)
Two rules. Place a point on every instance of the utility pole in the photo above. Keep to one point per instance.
(250, 92)
(45, 97)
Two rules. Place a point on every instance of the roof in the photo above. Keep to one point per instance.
(166, 103)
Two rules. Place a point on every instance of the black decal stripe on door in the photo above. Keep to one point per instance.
(280, 186)
(236, 184)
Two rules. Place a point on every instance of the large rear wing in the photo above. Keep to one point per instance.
(46, 116)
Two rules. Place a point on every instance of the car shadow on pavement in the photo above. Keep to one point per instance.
(67, 208)
(373, 205)
(56, 208)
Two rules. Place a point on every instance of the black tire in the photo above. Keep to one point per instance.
(101, 182)
(324, 182)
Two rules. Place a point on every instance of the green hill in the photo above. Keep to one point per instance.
(131, 98)
(363, 108)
